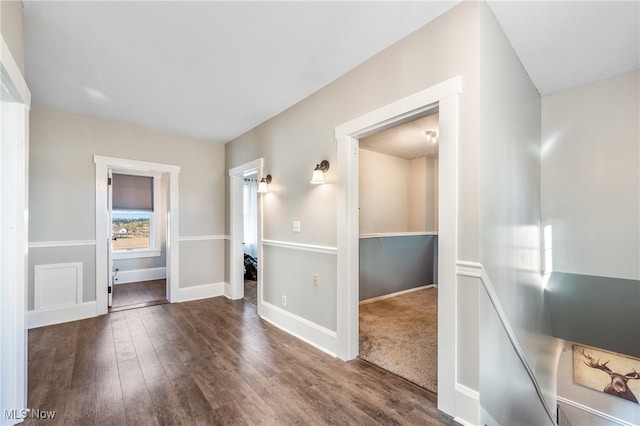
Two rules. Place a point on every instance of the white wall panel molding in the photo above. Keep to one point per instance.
(14, 229)
(137, 275)
(54, 244)
(52, 316)
(475, 269)
(57, 285)
(594, 412)
(204, 238)
(299, 246)
(398, 234)
(305, 330)
(204, 291)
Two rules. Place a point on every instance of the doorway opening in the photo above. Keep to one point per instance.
(250, 237)
(398, 245)
(245, 251)
(164, 222)
(445, 96)
(138, 212)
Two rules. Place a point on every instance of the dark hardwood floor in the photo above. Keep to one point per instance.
(211, 361)
(140, 294)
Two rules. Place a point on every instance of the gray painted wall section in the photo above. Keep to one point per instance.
(595, 311)
(392, 264)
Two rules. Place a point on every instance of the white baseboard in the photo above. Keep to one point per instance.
(467, 406)
(594, 412)
(199, 292)
(397, 293)
(305, 330)
(43, 317)
(137, 275)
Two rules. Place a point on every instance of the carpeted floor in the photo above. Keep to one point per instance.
(400, 334)
(251, 291)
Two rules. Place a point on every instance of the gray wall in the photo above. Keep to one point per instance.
(62, 190)
(392, 264)
(591, 198)
(397, 194)
(510, 120)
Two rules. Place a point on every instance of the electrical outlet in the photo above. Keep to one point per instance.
(284, 300)
(315, 279)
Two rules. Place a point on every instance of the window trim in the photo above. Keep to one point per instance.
(155, 237)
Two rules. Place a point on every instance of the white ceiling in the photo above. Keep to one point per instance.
(565, 44)
(407, 140)
(213, 70)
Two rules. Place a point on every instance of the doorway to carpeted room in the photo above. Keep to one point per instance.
(398, 249)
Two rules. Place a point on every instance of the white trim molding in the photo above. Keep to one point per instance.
(44, 317)
(51, 281)
(197, 292)
(594, 412)
(12, 79)
(14, 230)
(299, 246)
(55, 244)
(235, 289)
(204, 238)
(137, 275)
(320, 337)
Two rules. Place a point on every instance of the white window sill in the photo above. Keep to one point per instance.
(134, 254)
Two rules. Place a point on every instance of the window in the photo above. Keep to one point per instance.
(135, 227)
(131, 230)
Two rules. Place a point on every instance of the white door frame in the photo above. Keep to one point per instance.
(445, 95)
(15, 102)
(236, 216)
(103, 239)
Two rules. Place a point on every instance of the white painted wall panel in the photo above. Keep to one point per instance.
(57, 285)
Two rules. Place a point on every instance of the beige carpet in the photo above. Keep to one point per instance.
(400, 334)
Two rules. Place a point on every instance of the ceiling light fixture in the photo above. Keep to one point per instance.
(318, 172)
(432, 136)
(262, 185)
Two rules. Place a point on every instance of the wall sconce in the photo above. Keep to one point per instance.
(262, 185)
(318, 172)
(431, 136)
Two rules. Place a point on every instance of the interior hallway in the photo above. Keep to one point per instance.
(210, 361)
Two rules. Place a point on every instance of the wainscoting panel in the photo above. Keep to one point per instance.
(390, 263)
(57, 285)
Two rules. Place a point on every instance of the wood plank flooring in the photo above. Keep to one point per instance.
(139, 293)
(211, 361)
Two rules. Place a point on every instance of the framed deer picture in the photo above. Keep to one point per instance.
(608, 372)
